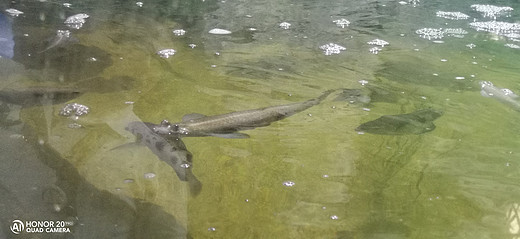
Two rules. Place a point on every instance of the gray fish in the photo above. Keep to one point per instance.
(34, 95)
(61, 37)
(417, 122)
(503, 95)
(171, 150)
(228, 125)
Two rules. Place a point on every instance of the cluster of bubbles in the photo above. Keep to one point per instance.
(499, 28)
(74, 111)
(179, 32)
(377, 42)
(455, 32)
(285, 25)
(13, 12)
(412, 2)
(439, 33)
(430, 33)
(492, 11)
(288, 183)
(452, 15)
(342, 22)
(166, 53)
(332, 48)
(76, 21)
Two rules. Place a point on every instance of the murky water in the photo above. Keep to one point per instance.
(311, 175)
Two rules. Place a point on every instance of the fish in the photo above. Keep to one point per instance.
(34, 95)
(169, 150)
(417, 122)
(503, 95)
(228, 125)
(61, 37)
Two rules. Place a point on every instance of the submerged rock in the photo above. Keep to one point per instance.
(417, 122)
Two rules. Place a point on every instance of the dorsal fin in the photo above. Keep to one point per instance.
(192, 116)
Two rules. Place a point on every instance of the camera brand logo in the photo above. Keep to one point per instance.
(17, 227)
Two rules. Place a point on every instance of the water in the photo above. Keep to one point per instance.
(308, 176)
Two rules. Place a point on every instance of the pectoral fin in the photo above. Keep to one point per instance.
(127, 145)
(483, 93)
(192, 116)
(235, 135)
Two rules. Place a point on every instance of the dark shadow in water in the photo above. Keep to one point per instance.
(37, 184)
(417, 122)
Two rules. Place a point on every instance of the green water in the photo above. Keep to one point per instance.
(460, 180)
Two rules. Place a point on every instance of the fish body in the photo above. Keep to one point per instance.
(418, 122)
(503, 95)
(228, 125)
(170, 150)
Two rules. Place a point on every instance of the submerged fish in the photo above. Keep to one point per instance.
(171, 150)
(503, 95)
(34, 95)
(417, 122)
(228, 125)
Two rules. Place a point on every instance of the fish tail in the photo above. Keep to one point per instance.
(325, 94)
(322, 97)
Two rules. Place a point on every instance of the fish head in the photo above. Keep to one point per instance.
(434, 114)
(166, 128)
(484, 84)
(179, 158)
(489, 90)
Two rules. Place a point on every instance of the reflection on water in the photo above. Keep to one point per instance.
(311, 175)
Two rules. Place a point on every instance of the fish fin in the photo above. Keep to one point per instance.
(127, 145)
(483, 93)
(192, 116)
(234, 135)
